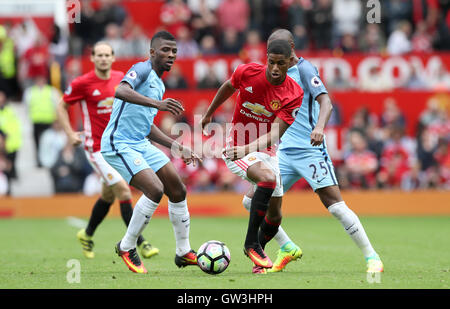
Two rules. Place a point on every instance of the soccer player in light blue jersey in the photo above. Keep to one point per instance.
(303, 154)
(126, 147)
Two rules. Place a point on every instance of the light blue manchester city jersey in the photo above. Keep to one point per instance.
(131, 123)
(298, 135)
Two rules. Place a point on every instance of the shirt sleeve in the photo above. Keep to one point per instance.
(74, 93)
(236, 77)
(137, 74)
(311, 79)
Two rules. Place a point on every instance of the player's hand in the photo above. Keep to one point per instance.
(75, 138)
(235, 152)
(204, 122)
(171, 105)
(317, 136)
(189, 157)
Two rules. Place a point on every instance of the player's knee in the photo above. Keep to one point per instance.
(107, 196)
(329, 195)
(178, 193)
(267, 177)
(124, 196)
(122, 191)
(274, 218)
(155, 193)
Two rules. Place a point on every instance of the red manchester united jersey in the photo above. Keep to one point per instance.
(96, 97)
(259, 103)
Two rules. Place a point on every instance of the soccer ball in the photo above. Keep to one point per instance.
(213, 257)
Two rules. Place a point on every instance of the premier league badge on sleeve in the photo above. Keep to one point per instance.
(132, 75)
(315, 81)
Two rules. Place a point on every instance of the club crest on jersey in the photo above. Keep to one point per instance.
(257, 109)
(275, 105)
(137, 161)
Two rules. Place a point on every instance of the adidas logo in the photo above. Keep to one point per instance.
(249, 89)
(96, 92)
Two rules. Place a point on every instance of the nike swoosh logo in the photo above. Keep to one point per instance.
(318, 181)
(349, 227)
(184, 220)
(257, 260)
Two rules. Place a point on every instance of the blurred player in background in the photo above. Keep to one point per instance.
(95, 91)
(125, 146)
(266, 106)
(303, 154)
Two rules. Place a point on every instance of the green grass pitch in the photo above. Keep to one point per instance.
(415, 250)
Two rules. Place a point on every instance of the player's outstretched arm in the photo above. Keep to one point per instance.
(161, 138)
(326, 108)
(225, 91)
(63, 118)
(126, 93)
(279, 126)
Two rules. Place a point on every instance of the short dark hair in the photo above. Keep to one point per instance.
(279, 47)
(101, 43)
(165, 35)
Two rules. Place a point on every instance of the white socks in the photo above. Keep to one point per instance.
(142, 214)
(345, 215)
(352, 226)
(180, 218)
(281, 237)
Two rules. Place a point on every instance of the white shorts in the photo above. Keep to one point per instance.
(239, 167)
(107, 173)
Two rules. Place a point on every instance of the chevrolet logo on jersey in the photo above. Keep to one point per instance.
(105, 106)
(106, 102)
(257, 109)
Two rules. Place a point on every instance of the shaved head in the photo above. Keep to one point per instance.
(281, 34)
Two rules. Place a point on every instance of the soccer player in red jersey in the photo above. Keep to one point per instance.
(266, 105)
(95, 91)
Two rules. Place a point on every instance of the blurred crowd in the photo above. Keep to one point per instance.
(241, 27)
(205, 27)
(376, 154)
(379, 154)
